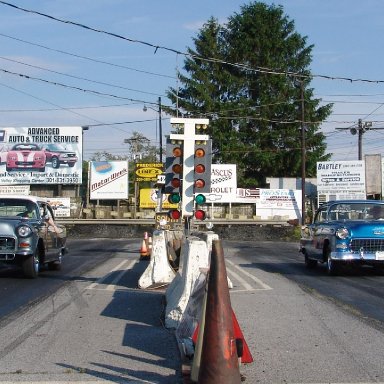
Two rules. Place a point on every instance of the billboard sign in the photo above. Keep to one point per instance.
(108, 180)
(148, 171)
(223, 184)
(41, 155)
(340, 176)
(61, 206)
(148, 199)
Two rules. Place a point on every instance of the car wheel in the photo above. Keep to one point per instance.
(333, 267)
(31, 265)
(55, 265)
(309, 263)
(8, 169)
(55, 162)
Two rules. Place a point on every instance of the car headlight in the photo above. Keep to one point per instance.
(24, 230)
(342, 233)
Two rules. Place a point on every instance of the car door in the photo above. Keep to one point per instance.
(50, 237)
(314, 235)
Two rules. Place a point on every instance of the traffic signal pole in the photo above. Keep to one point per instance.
(189, 137)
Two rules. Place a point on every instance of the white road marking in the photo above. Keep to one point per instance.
(112, 286)
(233, 270)
(252, 277)
(247, 287)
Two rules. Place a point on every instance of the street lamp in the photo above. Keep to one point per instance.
(145, 108)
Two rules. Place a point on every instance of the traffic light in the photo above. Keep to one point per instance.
(199, 213)
(202, 173)
(173, 174)
(203, 160)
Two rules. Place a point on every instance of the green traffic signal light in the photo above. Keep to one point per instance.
(174, 198)
(200, 199)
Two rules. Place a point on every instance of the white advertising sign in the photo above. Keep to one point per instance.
(15, 189)
(337, 176)
(282, 203)
(382, 177)
(280, 198)
(223, 183)
(61, 206)
(41, 155)
(108, 180)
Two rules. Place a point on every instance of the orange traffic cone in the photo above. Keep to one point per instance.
(149, 245)
(144, 248)
(246, 356)
(219, 361)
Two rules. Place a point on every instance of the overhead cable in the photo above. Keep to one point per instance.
(207, 59)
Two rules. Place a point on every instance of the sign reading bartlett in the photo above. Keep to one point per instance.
(336, 176)
(108, 180)
(41, 155)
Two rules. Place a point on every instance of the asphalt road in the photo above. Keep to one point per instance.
(89, 322)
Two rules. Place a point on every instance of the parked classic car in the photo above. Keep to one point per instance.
(57, 155)
(25, 155)
(348, 232)
(29, 236)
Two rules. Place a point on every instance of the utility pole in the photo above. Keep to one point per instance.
(303, 154)
(360, 130)
(160, 127)
(160, 133)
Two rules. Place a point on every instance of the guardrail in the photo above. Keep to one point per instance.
(150, 221)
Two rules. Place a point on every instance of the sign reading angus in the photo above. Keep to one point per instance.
(41, 155)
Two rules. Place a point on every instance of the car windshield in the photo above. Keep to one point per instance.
(55, 147)
(356, 211)
(18, 207)
(28, 147)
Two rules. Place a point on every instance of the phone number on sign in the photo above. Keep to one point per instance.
(64, 180)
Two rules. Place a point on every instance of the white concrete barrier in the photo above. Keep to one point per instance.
(159, 271)
(194, 255)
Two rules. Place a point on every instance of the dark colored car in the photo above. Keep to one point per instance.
(345, 233)
(57, 155)
(25, 155)
(29, 237)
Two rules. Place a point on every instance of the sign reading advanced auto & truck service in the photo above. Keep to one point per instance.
(336, 176)
(41, 155)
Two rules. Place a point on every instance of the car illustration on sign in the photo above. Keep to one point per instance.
(57, 154)
(29, 236)
(25, 155)
(345, 233)
(4, 149)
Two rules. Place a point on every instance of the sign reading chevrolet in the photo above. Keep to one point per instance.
(148, 171)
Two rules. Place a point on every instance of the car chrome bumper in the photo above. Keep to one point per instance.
(361, 256)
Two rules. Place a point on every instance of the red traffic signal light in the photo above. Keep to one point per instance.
(174, 214)
(199, 214)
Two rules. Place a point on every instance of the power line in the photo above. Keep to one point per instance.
(207, 59)
(88, 58)
(70, 86)
(78, 77)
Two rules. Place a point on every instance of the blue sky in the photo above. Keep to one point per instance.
(120, 77)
